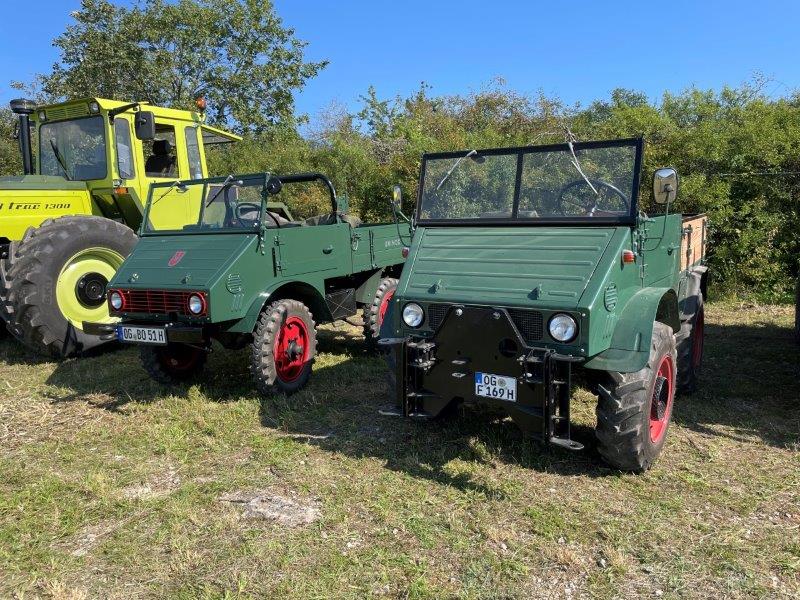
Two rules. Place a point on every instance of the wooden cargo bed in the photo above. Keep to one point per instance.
(693, 240)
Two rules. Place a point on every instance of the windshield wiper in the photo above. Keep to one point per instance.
(60, 159)
(177, 183)
(225, 185)
(453, 168)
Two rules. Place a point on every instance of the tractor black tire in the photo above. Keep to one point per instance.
(174, 363)
(31, 273)
(690, 344)
(375, 311)
(6, 311)
(628, 403)
(284, 347)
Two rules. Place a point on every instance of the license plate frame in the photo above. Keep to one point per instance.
(496, 387)
(139, 334)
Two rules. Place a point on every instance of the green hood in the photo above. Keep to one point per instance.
(512, 266)
(181, 261)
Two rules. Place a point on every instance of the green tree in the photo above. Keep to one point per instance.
(237, 52)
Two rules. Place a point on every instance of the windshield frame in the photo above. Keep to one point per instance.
(67, 176)
(515, 220)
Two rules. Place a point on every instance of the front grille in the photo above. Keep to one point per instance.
(436, 314)
(530, 323)
(156, 302)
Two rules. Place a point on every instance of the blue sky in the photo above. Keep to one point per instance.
(578, 50)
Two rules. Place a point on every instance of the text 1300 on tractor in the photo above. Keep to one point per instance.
(241, 270)
(527, 263)
(67, 224)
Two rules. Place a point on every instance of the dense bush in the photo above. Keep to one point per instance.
(737, 151)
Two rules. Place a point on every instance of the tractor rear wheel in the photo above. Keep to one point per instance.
(173, 363)
(690, 348)
(634, 409)
(56, 279)
(5, 308)
(376, 311)
(283, 349)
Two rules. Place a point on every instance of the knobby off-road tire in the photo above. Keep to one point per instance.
(43, 277)
(283, 349)
(690, 344)
(634, 409)
(6, 311)
(174, 363)
(376, 311)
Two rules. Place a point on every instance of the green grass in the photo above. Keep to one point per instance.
(110, 485)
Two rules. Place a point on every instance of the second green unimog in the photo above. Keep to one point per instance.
(527, 263)
(243, 271)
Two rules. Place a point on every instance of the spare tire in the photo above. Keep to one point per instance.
(56, 280)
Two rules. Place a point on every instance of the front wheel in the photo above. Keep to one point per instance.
(283, 349)
(634, 409)
(376, 311)
(173, 363)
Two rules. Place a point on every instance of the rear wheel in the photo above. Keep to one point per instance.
(690, 349)
(55, 279)
(283, 349)
(173, 363)
(634, 410)
(376, 311)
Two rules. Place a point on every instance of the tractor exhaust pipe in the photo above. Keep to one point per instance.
(24, 108)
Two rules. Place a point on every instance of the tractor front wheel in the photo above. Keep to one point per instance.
(634, 409)
(55, 279)
(284, 347)
(376, 311)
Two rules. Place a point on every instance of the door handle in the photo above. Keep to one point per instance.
(327, 250)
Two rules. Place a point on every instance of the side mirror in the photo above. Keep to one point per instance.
(144, 125)
(665, 185)
(397, 198)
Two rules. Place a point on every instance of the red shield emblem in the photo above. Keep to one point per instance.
(176, 258)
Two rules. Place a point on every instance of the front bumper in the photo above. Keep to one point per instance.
(433, 373)
(176, 332)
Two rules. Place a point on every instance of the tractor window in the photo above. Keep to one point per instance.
(122, 135)
(162, 158)
(74, 149)
(193, 153)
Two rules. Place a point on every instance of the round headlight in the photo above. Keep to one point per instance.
(413, 314)
(94, 107)
(115, 298)
(42, 115)
(196, 304)
(563, 328)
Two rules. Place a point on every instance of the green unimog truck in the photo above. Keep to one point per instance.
(67, 224)
(234, 265)
(527, 263)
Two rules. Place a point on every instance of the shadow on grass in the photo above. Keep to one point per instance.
(750, 387)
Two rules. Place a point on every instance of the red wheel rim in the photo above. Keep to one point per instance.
(661, 399)
(291, 349)
(384, 306)
(697, 341)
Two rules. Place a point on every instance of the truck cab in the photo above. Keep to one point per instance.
(528, 263)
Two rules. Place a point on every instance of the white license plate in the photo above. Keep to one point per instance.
(498, 387)
(142, 335)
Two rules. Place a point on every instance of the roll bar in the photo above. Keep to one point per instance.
(309, 177)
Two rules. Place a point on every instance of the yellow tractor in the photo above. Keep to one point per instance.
(67, 224)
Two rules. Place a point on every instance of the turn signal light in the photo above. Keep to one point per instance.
(628, 257)
(120, 191)
(404, 252)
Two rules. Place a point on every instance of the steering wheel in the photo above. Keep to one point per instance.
(589, 209)
(245, 214)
